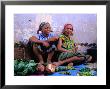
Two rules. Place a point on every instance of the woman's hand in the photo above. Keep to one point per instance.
(46, 44)
(70, 51)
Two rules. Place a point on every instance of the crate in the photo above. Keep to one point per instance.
(19, 53)
(22, 53)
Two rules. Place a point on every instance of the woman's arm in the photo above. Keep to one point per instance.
(34, 39)
(52, 39)
(75, 47)
(59, 46)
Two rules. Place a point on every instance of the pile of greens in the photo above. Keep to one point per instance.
(65, 72)
(24, 67)
(64, 68)
(85, 72)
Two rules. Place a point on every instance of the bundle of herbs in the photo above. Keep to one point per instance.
(65, 68)
(85, 72)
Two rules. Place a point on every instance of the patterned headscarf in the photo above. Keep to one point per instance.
(41, 26)
(67, 25)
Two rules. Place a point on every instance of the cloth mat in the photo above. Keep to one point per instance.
(73, 72)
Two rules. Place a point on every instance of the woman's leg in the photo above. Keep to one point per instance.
(38, 54)
(51, 67)
(50, 55)
(68, 60)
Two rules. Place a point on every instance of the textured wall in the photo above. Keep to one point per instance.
(85, 25)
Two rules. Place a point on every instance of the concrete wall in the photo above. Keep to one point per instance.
(85, 25)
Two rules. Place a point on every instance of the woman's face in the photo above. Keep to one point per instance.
(68, 30)
(46, 29)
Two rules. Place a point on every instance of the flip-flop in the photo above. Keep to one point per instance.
(50, 68)
(88, 58)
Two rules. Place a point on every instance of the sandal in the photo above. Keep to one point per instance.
(50, 68)
(88, 58)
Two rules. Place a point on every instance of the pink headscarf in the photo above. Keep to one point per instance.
(67, 25)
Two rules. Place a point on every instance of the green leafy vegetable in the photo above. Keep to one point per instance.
(66, 73)
(24, 67)
(85, 72)
(64, 68)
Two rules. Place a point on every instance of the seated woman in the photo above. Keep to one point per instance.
(68, 48)
(43, 43)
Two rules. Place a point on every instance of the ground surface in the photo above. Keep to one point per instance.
(76, 69)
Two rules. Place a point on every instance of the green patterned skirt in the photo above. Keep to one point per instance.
(65, 55)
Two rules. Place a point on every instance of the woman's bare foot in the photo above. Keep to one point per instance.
(57, 63)
(40, 67)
